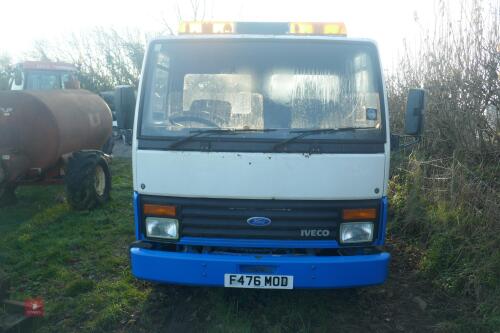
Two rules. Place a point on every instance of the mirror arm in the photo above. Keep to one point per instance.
(396, 145)
(416, 139)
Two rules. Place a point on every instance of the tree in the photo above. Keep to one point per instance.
(196, 11)
(108, 57)
(105, 58)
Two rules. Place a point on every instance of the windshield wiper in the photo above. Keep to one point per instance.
(304, 133)
(207, 132)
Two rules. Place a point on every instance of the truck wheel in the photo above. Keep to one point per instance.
(8, 195)
(88, 180)
(107, 148)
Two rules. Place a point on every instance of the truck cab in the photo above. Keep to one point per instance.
(261, 158)
(43, 75)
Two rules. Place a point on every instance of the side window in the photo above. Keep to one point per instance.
(368, 109)
(69, 80)
(159, 89)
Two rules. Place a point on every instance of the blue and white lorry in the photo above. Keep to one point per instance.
(261, 157)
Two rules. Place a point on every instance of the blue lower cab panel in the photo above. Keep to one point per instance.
(308, 271)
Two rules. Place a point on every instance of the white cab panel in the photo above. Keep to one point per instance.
(259, 175)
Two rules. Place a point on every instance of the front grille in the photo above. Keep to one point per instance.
(290, 219)
(231, 221)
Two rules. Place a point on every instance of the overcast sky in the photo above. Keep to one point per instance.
(386, 21)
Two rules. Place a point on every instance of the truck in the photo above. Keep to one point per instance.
(261, 157)
(51, 132)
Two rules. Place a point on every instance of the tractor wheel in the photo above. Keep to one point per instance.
(8, 195)
(88, 180)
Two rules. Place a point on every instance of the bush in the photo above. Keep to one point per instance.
(445, 193)
(105, 58)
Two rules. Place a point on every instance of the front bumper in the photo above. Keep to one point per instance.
(308, 271)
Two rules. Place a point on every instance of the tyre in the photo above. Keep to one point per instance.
(8, 195)
(88, 180)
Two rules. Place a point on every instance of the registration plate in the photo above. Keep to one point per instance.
(258, 281)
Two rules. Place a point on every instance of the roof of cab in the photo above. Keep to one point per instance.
(48, 65)
(263, 37)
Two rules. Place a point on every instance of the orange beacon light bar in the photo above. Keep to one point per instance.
(312, 28)
(200, 27)
(263, 28)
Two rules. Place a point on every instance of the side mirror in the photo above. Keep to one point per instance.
(18, 77)
(124, 104)
(414, 119)
(109, 98)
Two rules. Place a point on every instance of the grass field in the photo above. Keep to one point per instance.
(78, 263)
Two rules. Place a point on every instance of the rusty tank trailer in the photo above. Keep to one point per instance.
(56, 135)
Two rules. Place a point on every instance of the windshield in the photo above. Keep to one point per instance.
(260, 85)
(43, 80)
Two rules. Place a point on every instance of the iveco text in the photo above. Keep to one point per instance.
(261, 157)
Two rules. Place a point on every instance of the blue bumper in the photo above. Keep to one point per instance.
(308, 271)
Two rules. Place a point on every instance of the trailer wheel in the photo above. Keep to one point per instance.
(88, 180)
(8, 195)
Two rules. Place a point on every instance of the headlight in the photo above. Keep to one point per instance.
(161, 227)
(356, 232)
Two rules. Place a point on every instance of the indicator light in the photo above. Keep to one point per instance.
(159, 210)
(358, 214)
